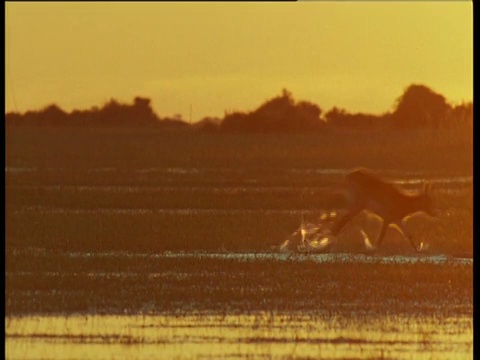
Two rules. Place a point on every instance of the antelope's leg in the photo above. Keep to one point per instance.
(381, 235)
(407, 236)
(343, 221)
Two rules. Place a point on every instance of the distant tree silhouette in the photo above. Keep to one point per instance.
(341, 118)
(208, 124)
(335, 114)
(50, 115)
(173, 124)
(419, 106)
(140, 113)
(112, 113)
(235, 122)
(280, 114)
(462, 115)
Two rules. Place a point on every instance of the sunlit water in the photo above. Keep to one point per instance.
(182, 333)
(397, 177)
(259, 256)
(263, 335)
(319, 333)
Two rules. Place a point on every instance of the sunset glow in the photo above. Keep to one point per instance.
(217, 57)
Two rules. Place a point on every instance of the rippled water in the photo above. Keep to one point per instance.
(413, 177)
(263, 335)
(180, 304)
(317, 258)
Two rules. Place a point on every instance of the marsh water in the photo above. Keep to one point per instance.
(189, 309)
(166, 251)
(263, 335)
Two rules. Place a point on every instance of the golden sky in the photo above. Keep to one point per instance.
(233, 56)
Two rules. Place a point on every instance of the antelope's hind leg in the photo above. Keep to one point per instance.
(403, 230)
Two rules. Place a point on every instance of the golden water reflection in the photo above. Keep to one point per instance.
(262, 335)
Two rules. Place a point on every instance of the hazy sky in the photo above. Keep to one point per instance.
(233, 56)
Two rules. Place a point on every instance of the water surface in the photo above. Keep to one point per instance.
(262, 335)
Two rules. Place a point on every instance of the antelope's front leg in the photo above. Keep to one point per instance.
(344, 220)
(381, 235)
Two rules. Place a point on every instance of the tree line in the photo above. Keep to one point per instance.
(417, 107)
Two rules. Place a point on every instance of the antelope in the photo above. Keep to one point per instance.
(365, 191)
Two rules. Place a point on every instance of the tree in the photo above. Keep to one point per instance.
(419, 106)
(279, 114)
(462, 115)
